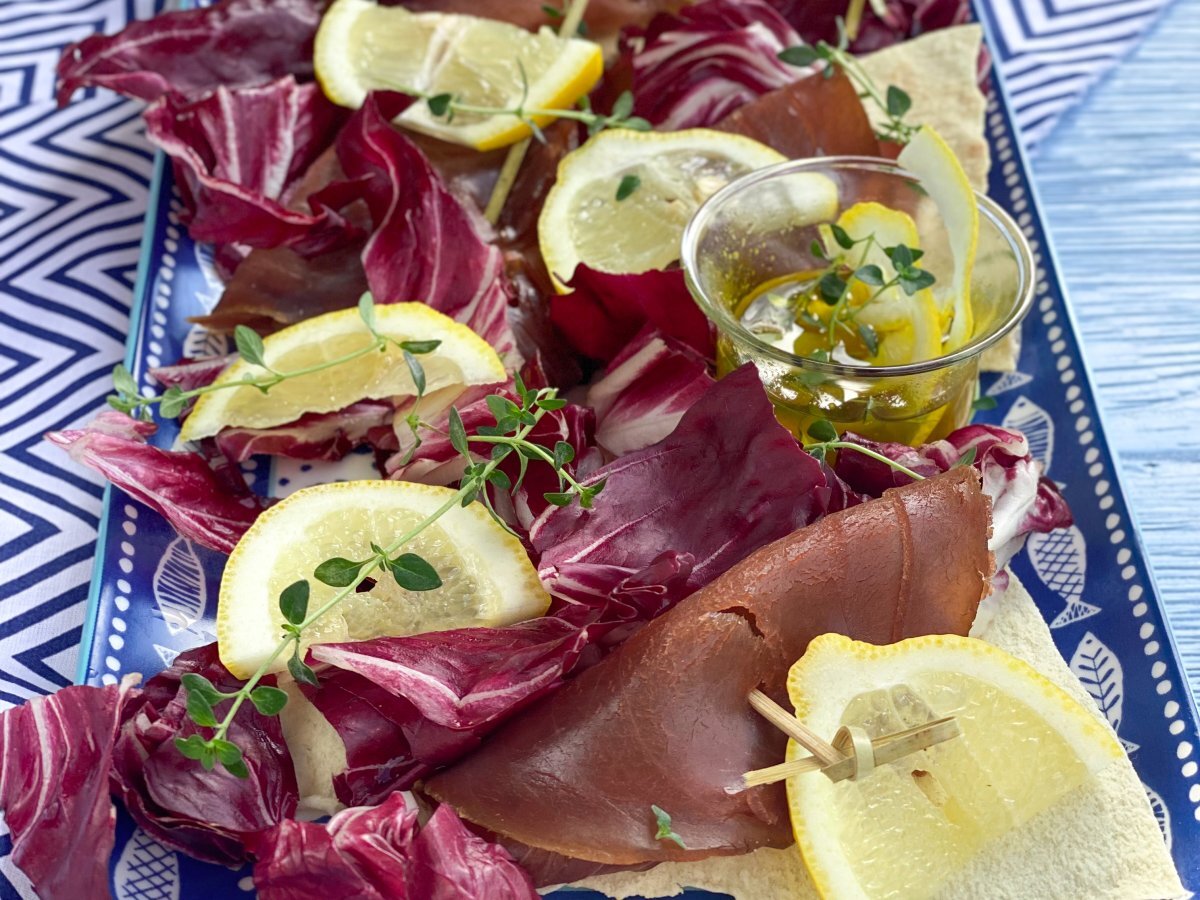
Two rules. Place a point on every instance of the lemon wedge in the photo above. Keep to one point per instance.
(908, 328)
(362, 46)
(462, 359)
(903, 829)
(672, 173)
(487, 578)
(930, 158)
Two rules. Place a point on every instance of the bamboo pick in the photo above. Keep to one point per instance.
(516, 153)
(825, 752)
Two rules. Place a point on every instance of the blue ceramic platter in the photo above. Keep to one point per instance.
(154, 593)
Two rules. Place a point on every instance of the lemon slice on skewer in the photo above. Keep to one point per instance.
(930, 158)
(362, 46)
(461, 359)
(670, 174)
(906, 827)
(487, 578)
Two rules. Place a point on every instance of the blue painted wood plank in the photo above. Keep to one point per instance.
(1120, 188)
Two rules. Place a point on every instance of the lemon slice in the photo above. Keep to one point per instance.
(930, 158)
(487, 578)
(674, 172)
(463, 358)
(904, 828)
(909, 328)
(361, 46)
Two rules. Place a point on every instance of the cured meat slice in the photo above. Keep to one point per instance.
(664, 719)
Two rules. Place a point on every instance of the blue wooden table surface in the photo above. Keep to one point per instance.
(1120, 187)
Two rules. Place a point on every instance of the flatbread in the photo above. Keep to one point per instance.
(1101, 842)
(939, 71)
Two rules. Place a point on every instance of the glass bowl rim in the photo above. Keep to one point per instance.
(726, 324)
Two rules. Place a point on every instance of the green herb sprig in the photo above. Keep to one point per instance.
(665, 832)
(825, 441)
(834, 283)
(513, 423)
(893, 102)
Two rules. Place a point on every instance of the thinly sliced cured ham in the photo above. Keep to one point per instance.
(664, 719)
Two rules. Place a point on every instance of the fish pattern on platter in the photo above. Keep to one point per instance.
(1009, 381)
(1060, 561)
(180, 587)
(1035, 422)
(200, 342)
(1099, 670)
(1161, 814)
(146, 870)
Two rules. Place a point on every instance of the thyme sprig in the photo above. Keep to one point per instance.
(825, 440)
(509, 435)
(834, 285)
(447, 106)
(893, 102)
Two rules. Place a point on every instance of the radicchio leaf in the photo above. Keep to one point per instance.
(816, 20)
(378, 853)
(208, 814)
(180, 486)
(681, 497)
(406, 705)
(239, 151)
(56, 752)
(189, 374)
(234, 43)
(604, 311)
(1023, 499)
(692, 69)
(645, 391)
(426, 246)
(326, 436)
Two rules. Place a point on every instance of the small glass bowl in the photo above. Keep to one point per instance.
(761, 227)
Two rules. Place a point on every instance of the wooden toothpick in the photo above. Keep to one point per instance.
(852, 754)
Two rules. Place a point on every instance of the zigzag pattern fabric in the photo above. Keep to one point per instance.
(73, 191)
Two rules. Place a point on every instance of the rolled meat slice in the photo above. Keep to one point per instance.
(664, 719)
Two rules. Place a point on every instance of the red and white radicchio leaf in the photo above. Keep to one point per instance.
(1023, 499)
(405, 706)
(378, 853)
(239, 151)
(678, 507)
(236, 43)
(645, 391)
(56, 752)
(208, 814)
(692, 69)
(180, 486)
(426, 247)
(326, 436)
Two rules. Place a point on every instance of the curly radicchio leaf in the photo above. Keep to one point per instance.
(426, 246)
(234, 43)
(378, 853)
(404, 706)
(692, 69)
(56, 752)
(645, 391)
(240, 151)
(680, 495)
(1023, 499)
(208, 814)
(816, 20)
(189, 374)
(326, 436)
(604, 312)
(180, 486)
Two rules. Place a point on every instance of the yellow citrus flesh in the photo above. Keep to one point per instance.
(487, 578)
(930, 158)
(463, 358)
(582, 220)
(362, 46)
(903, 829)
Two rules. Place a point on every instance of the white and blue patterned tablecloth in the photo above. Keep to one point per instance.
(1119, 184)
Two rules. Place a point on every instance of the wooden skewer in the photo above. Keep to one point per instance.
(853, 753)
